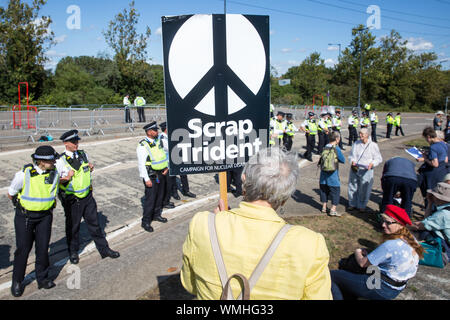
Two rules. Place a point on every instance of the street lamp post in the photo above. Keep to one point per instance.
(446, 100)
(336, 44)
(360, 70)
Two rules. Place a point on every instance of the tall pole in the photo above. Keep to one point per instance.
(224, 6)
(360, 70)
(446, 100)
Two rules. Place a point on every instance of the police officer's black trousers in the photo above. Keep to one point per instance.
(127, 115)
(397, 128)
(141, 114)
(154, 196)
(352, 135)
(86, 208)
(32, 227)
(388, 130)
(374, 131)
(321, 143)
(287, 142)
(234, 176)
(310, 144)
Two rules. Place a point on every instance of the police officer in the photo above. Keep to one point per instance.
(365, 121)
(139, 102)
(33, 192)
(279, 127)
(171, 186)
(337, 125)
(323, 131)
(352, 125)
(152, 164)
(389, 123)
(373, 123)
(290, 132)
(398, 124)
(309, 126)
(76, 197)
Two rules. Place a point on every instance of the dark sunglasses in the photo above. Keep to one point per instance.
(388, 223)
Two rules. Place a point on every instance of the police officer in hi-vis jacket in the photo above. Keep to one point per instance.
(153, 168)
(33, 192)
(76, 196)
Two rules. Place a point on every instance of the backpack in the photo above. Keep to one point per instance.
(328, 159)
(246, 284)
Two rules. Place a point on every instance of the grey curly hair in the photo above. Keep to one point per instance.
(271, 175)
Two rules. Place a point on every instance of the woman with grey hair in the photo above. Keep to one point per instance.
(298, 268)
(365, 155)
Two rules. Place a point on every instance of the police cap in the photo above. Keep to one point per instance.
(44, 153)
(311, 114)
(71, 135)
(151, 126)
(280, 113)
(163, 126)
(289, 115)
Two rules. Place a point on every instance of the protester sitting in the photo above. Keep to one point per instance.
(399, 175)
(397, 259)
(434, 162)
(330, 185)
(299, 267)
(365, 155)
(438, 222)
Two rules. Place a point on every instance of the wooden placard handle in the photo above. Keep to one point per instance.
(223, 188)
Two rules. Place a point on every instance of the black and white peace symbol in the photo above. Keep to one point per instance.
(217, 63)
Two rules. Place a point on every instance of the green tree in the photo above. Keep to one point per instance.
(309, 78)
(24, 38)
(130, 50)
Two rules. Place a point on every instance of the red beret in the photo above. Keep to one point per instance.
(398, 214)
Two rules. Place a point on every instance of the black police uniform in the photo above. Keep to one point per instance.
(76, 208)
(33, 226)
(154, 195)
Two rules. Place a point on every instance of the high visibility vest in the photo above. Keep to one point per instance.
(365, 122)
(279, 126)
(367, 106)
(157, 158)
(39, 190)
(355, 122)
(80, 184)
(338, 123)
(290, 129)
(140, 101)
(329, 123)
(324, 125)
(312, 127)
(389, 120)
(376, 119)
(398, 121)
(271, 140)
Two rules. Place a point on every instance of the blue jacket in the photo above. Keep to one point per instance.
(332, 178)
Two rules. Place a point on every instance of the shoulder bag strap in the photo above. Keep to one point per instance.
(217, 253)
(227, 294)
(266, 257)
(363, 152)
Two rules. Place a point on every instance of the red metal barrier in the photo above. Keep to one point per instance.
(17, 122)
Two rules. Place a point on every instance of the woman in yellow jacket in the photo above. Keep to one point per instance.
(299, 267)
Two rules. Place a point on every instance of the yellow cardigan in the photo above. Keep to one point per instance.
(297, 270)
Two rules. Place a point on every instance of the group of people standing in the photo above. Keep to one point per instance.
(33, 192)
(139, 103)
